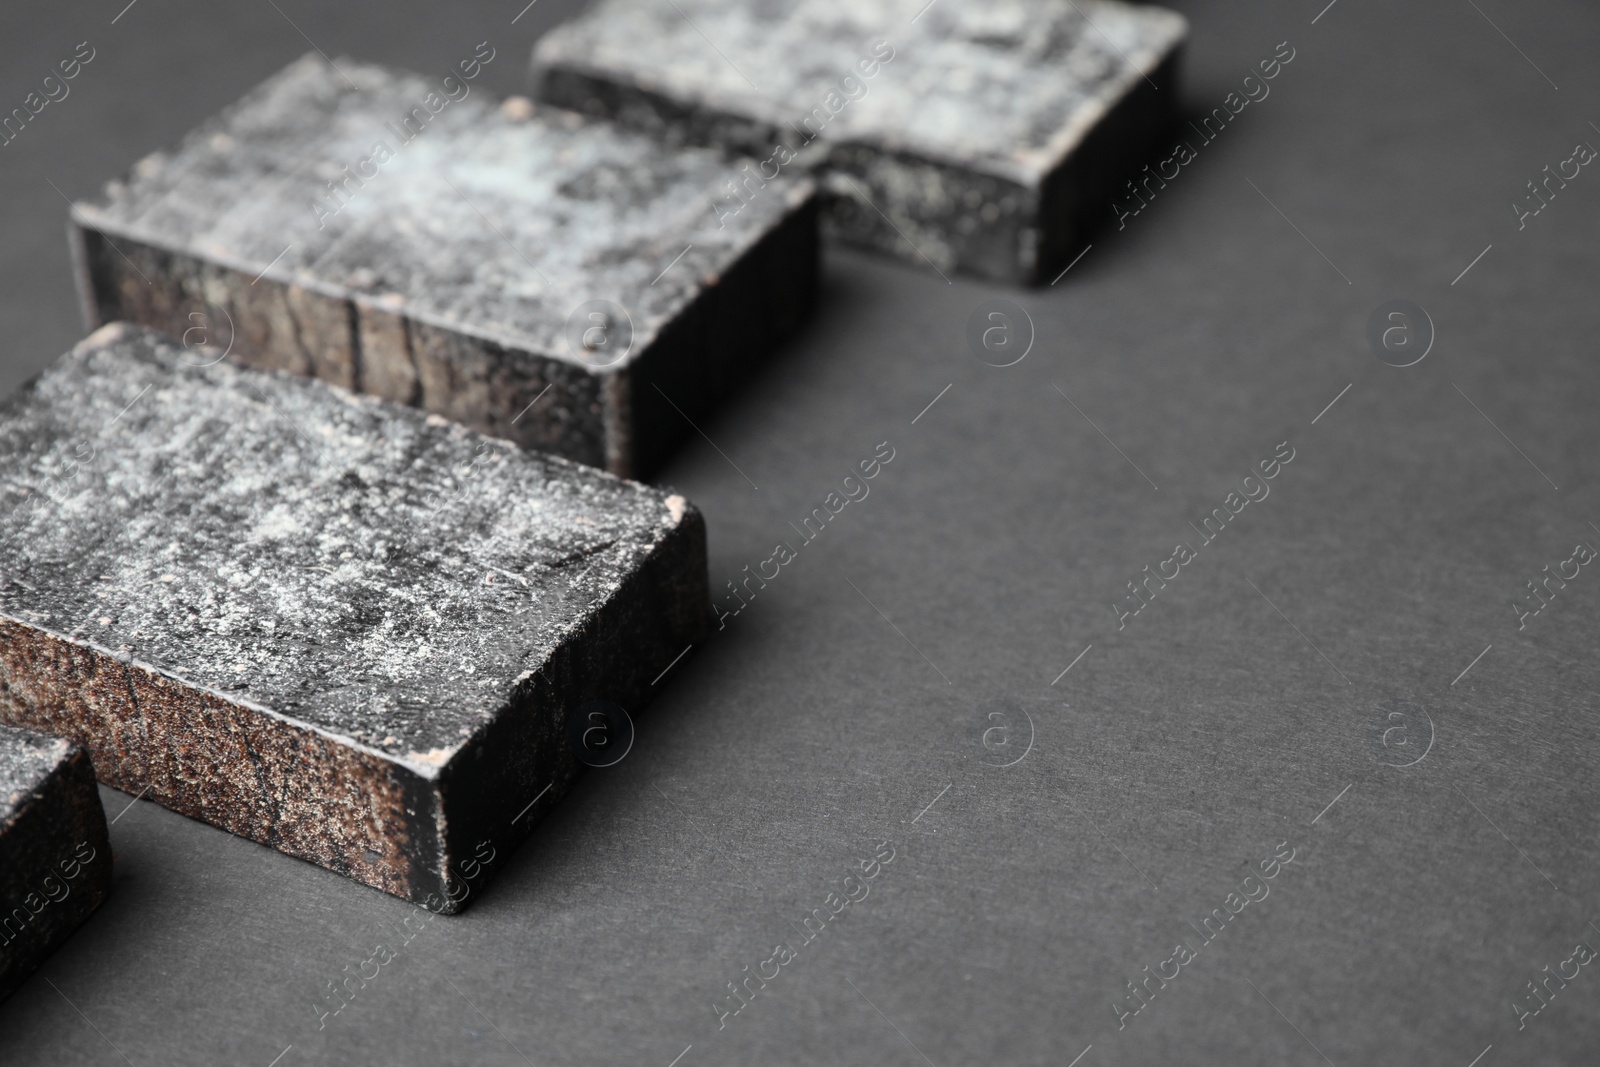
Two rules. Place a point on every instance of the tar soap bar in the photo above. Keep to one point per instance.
(970, 135)
(338, 626)
(533, 274)
(55, 859)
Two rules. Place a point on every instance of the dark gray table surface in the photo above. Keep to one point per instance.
(1243, 707)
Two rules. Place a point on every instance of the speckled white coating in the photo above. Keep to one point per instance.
(1007, 87)
(379, 574)
(494, 222)
(26, 760)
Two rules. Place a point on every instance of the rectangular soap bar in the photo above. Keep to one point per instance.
(538, 276)
(335, 625)
(55, 858)
(976, 135)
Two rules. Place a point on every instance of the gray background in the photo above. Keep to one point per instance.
(1165, 764)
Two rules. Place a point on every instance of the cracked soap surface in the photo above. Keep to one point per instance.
(375, 572)
(483, 224)
(1010, 85)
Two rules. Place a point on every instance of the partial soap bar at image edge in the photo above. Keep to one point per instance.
(538, 276)
(356, 633)
(55, 858)
(971, 135)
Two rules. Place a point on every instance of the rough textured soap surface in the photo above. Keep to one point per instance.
(329, 623)
(55, 862)
(313, 228)
(959, 127)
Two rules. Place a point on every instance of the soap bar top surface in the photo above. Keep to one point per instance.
(27, 759)
(486, 223)
(374, 572)
(1005, 86)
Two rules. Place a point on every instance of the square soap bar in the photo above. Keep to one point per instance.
(335, 625)
(55, 858)
(977, 135)
(535, 275)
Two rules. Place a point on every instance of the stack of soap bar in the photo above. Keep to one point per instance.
(55, 860)
(981, 135)
(335, 625)
(538, 276)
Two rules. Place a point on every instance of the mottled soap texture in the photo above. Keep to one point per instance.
(340, 229)
(55, 860)
(332, 624)
(979, 135)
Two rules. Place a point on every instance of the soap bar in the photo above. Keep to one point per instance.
(55, 858)
(974, 135)
(535, 275)
(335, 625)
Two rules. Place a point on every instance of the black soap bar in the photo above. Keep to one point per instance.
(970, 135)
(535, 275)
(55, 858)
(332, 624)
